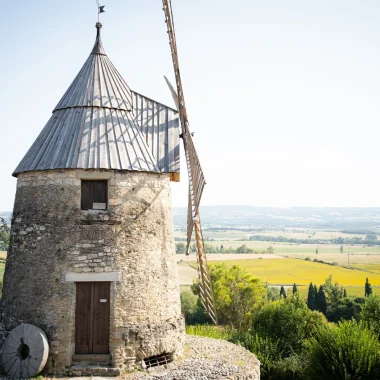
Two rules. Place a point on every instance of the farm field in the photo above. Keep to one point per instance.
(188, 273)
(302, 272)
(293, 248)
(290, 233)
(362, 260)
(228, 256)
(288, 271)
(3, 256)
(371, 268)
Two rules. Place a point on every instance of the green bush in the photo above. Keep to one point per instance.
(236, 294)
(344, 352)
(191, 309)
(290, 368)
(266, 350)
(273, 293)
(273, 364)
(370, 315)
(288, 322)
(345, 309)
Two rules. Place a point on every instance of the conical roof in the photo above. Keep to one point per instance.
(93, 125)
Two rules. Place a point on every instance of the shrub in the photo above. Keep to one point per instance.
(288, 322)
(193, 312)
(236, 294)
(370, 315)
(266, 350)
(345, 308)
(346, 351)
(292, 367)
(272, 364)
(273, 293)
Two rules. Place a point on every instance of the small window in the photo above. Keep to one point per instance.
(94, 195)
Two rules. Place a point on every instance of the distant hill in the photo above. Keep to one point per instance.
(6, 215)
(352, 219)
(271, 217)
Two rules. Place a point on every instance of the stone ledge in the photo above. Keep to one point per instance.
(93, 370)
(95, 175)
(93, 277)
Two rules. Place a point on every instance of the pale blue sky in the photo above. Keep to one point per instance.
(283, 96)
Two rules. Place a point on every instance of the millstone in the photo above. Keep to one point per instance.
(25, 352)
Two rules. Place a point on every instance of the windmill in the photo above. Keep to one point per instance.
(195, 173)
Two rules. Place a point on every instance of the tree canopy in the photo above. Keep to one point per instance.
(236, 294)
(288, 322)
(367, 288)
(4, 235)
(370, 314)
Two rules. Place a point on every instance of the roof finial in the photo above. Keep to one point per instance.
(98, 47)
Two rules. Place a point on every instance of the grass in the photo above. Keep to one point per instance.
(302, 272)
(216, 332)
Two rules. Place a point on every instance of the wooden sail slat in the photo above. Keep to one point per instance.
(195, 172)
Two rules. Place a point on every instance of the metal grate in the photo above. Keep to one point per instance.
(155, 361)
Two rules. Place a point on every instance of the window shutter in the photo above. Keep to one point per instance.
(87, 197)
(100, 192)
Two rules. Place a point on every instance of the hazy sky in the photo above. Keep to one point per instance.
(283, 96)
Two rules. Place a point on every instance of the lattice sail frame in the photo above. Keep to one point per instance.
(196, 177)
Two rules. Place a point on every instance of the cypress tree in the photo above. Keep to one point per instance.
(367, 288)
(282, 292)
(321, 302)
(344, 293)
(311, 297)
(295, 290)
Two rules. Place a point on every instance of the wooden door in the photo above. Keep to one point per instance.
(92, 318)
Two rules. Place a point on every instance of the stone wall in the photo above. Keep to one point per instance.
(52, 237)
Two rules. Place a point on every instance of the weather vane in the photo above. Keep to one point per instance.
(100, 9)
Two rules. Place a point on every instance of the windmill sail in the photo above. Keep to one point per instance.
(196, 177)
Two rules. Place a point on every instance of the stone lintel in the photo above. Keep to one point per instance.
(94, 175)
(93, 277)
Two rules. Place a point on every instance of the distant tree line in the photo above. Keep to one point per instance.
(210, 248)
(369, 239)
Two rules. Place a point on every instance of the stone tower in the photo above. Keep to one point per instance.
(92, 258)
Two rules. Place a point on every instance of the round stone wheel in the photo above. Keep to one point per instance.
(25, 352)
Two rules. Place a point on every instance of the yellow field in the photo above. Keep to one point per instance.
(352, 291)
(301, 272)
(2, 267)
